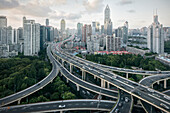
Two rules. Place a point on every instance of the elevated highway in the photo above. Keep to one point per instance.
(65, 105)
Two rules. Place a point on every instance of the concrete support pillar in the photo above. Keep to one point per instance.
(165, 84)
(67, 80)
(63, 63)
(61, 111)
(78, 87)
(83, 75)
(152, 86)
(108, 85)
(143, 76)
(71, 68)
(19, 101)
(127, 75)
(158, 82)
(102, 83)
(94, 77)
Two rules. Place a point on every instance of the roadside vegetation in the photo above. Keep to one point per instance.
(128, 61)
(21, 72)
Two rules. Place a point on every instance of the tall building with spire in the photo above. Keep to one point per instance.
(63, 25)
(155, 39)
(107, 21)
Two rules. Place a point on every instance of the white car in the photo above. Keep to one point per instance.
(102, 76)
(167, 97)
(151, 90)
(62, 106)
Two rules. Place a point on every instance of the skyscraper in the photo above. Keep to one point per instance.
(47, 22)
(31, 36)
(79, 30)
(123, 32)
(87, 31)
(63, 25)
(155, 39)
(3, 21)
(107, 21)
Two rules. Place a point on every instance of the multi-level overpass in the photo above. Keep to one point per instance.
(142, 92)
(149, 81)
(98, 71)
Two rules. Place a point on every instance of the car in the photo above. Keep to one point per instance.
(90, 69)
(139, 93)
(126, 99)
(121, 98)
(121, 85)
(62, 106)
(117, 111)
(120, 104)
(151, 90)
(102, 76)
(167, 97)
(165, 106)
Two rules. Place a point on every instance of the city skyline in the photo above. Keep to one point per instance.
(137, 13)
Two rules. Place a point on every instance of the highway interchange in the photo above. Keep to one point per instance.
(142, 92)
(131, 88)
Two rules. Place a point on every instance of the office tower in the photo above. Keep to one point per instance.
(63, 25)
(15, 37)
(93, 28)
(79, 30)
(31, 36)
(107, 21)
(10, 35)
(50, 33)
(125, 32)
(3, 21)
(155, 39)
(42, 36)
(20, 35)
(47, 22)
(3, 35)
(113, 43)
(102, 29)
(122, 32)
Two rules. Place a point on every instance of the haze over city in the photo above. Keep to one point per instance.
(138, 13)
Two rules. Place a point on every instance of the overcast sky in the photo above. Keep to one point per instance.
(138, 13)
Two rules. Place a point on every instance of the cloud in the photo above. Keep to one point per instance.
(52, 2)
(8, 4)
(32, 8)
(92, 6)
(125, 2)
(131, 11)
(64, 15)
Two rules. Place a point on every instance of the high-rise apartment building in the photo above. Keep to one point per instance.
(87, 31)
(79, 30)
(3, 21)
(113, 43)
(155, 39)
(122, 32)
(31, 36)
